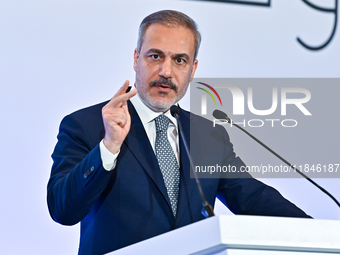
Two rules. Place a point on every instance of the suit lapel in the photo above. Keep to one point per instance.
(139, 145)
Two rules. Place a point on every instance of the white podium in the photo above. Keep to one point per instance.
(245, 235)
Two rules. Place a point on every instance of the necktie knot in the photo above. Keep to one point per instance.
(162, 123)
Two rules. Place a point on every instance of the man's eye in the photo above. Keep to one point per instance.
(155, 57)
(180, 61)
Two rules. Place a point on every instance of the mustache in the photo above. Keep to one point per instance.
(163, 81)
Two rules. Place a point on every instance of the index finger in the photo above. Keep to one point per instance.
(119, 100)
(122, 90)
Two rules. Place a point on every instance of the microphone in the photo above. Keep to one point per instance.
(207, 210)
(174, 110)
(223, 116)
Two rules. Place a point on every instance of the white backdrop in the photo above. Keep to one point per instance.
(59, 56)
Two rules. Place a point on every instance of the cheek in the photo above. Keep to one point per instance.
(183, 78)
(149, 72)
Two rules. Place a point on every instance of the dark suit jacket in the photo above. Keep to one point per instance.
(130, 203)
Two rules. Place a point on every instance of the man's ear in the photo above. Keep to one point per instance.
(194, 67)
(135, 59)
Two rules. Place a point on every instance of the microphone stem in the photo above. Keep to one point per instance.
(289, 164)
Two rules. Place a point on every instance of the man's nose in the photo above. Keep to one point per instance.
(166, 69)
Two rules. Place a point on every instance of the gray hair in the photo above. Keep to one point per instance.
(169, 17)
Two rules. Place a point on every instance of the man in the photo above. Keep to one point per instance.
(120, 167)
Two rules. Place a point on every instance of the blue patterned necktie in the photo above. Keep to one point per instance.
(167, 160)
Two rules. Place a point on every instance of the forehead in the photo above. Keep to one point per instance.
(169, 39)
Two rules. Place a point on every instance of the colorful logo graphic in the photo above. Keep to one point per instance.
(213, 90)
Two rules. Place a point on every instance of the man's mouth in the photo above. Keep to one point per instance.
(164, 86)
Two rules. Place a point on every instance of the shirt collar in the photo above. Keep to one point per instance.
(145, 114)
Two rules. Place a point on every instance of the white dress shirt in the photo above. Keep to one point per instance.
(147, 117)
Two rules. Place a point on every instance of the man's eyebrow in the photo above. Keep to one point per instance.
(159, 52)
(181, 55)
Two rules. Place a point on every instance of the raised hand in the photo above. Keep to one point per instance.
(116, 118)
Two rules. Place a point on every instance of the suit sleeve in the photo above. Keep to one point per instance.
(243, 194)
(77, 177)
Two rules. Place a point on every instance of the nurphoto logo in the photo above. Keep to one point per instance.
(242, 100)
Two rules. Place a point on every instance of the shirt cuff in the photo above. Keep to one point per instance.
(108, 159)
